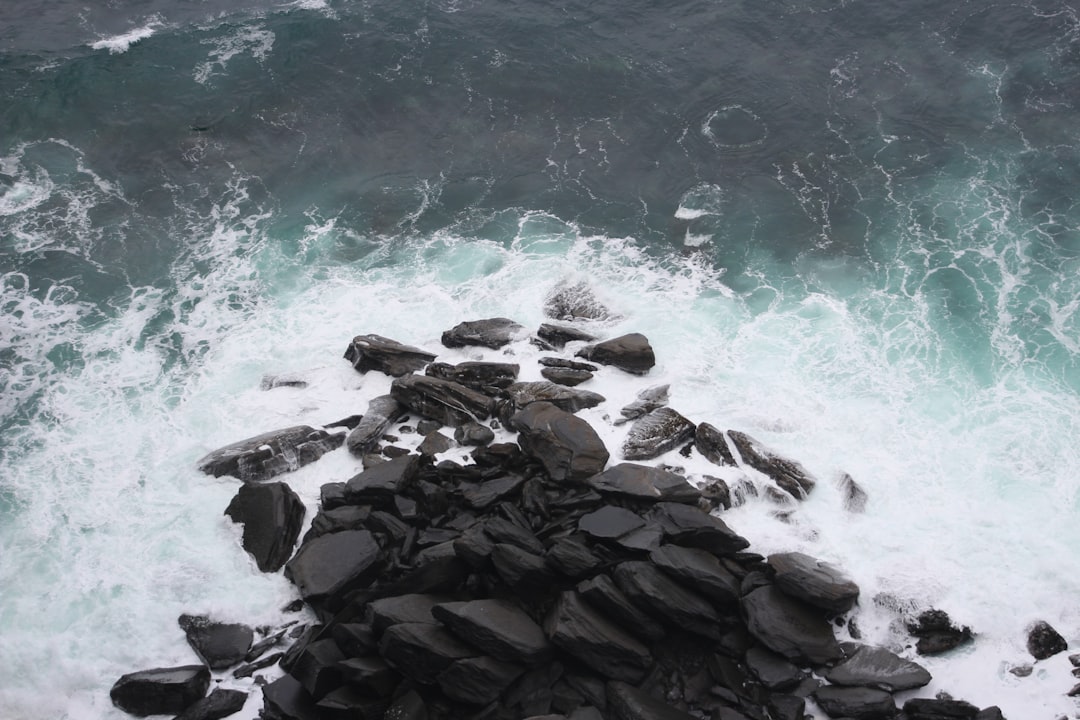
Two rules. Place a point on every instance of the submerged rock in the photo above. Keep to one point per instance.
(854, 497)
(788, 474)
(271, 514)
(375, 352)
(491, 333)
(649, 399)
(656, 433)
(1044, 641)
(574, 301)
(263, 456)
(631, 353)
(936, 633)
(161, 691)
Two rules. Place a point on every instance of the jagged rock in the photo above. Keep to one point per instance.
(649, 588)
(218, 704)
(479, 680)
(601, 593)
(332, 564)
(711, 444)
(286, 699)
(938, 709)
(700, 570)
(566, 376)
(473, 433)
(380, 483)
(409, 608)
(346, 517)
(370, 674)
(375, 352)
(572, 558)
(717, 493)
(1044, 641)
(559, 335)
(219, 645)
(381, 412)
(476, 375)
(249, 669)
(772, 670)
(421, 651)
(936, 633)
(564, 398)
(789, 626)
(643, 482)
(485, 494)
(853, 495)
(448, 402)
(555, 362)
(520, 569)
(502, 530)
(631, 353)
(347, 702)
(855, 702)
(497, 627)
(876, 667)
(814, 581)
(264, 456)
(160, 691)
(490, 333)
(610, 522)
(690, 527)
(649, 399)
(272, 515)
(573, 301)
(786, 707)
(270, 382)
(788, 474)
(434, 443)
(629, 703)
(585, 634)
(565, 444)
(317, 668)
(656, 433)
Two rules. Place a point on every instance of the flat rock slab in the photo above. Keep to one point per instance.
(566, 445)
(649, 588)
(601, 592)
(700, 570)
(656, 433)
(566, 376)
(331, 564)
(380, 483)
(876, 667)
(631, 353)
(479, 680)
(629, 703)
(410, 608)
(690, 527)
(855, 702)
(772, 670)
(497, 627)
(483, 495)
(271, 514)
(272, 453)
(790, 627)
(565, 398)
(491, 333)
(375, 352)
(219, 645)
(610, 522)
(647, 400)
(381, 412)
(443, 400)
(160, 691)
(787, 474)
(938, 709)
(286, 699)
(643, 482)
(814, 581)
(581, 631)
(422, 651)
(483, 376)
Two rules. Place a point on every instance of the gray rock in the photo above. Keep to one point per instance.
(602, 593)
(160, 691)
(434, 443)
(489, 492)
(565, 444)
(286, 699)
(271, 514)
(566, 376)
(790, 627)
(559, 335)
(473, 433)
(497, 627)
(564, 398)
(649, 588)
(629, 703)
(631, 353)
(712, 445)
(690, 527)
(422, 651)
(814, 581)
(375, 352)
(656, 433)
(772, 670)
(649, 399)
(700, 570)
(643, 482)
(876, 667)
(219, 645)
(218, 704)
(936, 632)
(609, 522)
(491, 333)
(409, 608)
(572, 558)
(479, 680)
(332, 564)
(855, 702)
(520, 569)
(854, 497)
(938, 709)
(1044, 641)
(588, 636)
(483, 376)
(318, 667)
(370, 674)
(448, 402)
(380, 483)
(264, 456)
(381, 412)
(792, 477)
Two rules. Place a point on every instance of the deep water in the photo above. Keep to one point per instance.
(848, 228)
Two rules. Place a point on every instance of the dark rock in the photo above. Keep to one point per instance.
(426, 426)
(566, 376)
(690, 527)
(574, 301)
(788, 474)
(1074, 660)
(631, 353)
(555, 362)
(374, 352)
(609, 522)
(421, 651)
(286, 699)
(502, 530)
(700, 570)
(853, 495)
(370, 674)
(716, 493)
(333, 564)
(786, 707)
(712, 445)
(271, 514)
(485, 494)
(629, 703)
(355, 639)
(303, 636)
(564, 398)
(1022, 670)
(161, 691)
(482, 376)
(218, 704)
(656, 433)
(649, 399)
(490, 333)
(649, 588)
(572, 558)
(479, 680)
(1044, 641)
(409, 706)
(532, 694)
(251, 668)
(382, 411)
(497, 627)
(318, 669)
(601, 593)
(382, 482)
(585, 712)
(270, 382)
(348, 517)
(876, 667)
(434, 443)
(409, 608)
(219, 645)
(475, 547)
(588, 636)
(520, 569)
(332, 495)
(565, 444)
(790, 627)
(938, 709)
(814, 581)
(936, 633)
(268, 642)
(473, 433)
(559, 335)
(448, 402)
(991, 713)
(643, 482)
(772, 670)
(855, 702)
(264, 456)
(349, 703)
(348, 423)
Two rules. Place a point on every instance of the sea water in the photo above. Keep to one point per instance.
(848, 228)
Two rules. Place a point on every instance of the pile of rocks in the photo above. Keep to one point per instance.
(536, 580)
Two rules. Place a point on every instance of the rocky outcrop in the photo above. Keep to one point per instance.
(161, 691)
(443, 400)
(219, 645)
(655, 433)
(631, 353)
(271, 514)
(263, 456)
(490, 333)
(375, 352)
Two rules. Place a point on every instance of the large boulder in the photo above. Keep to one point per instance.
(160, 691)
(711, 444)
(649, 588)
(876, 667)
(448, 402)
(272, 453)
(644, 482)
(490, 333)
(690, 527)
(814, 581)
(631, 353)
(565, 444)
(656, 433)
(381, 483)
(381, 412)
(219, 645)
(499, 628)
(789, 626)
(588, 636)
(789, 475)
(332, 564)
(271, 514)
(1044, 641)
(564, 398)
(700, 570)
(375, 352)
(218, 704)
(483, 376)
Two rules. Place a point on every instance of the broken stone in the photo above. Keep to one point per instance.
(789, 626)
(219, 645)
(381, 412)
(656, 433)
(375, 352)
(161, 691)
(814, 581)
(579, 630)
(711, 443)
(448, 402)
(788, 474)
(643, 482)
(491, 333)
(497, 627)
(630, 353)
(271, 514)
(565, 444)
(262, 457)
(876, 667)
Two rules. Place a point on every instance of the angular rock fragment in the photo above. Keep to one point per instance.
(218, 704)
(601, 593)
(936, 632)
(555, 362)
(375, 352)
(434, 443)
(332, 564)
(490, 333)
(700, 570)
(286, 699)
(876, 667)
(219, 645)
(649, 399)
(497, 627)
(789, 626)
(565, 444)
(485, 494)
(478, 681)
(566, 376)
(381, 412)
(814, 581)
(772, 670)
(482, 376)
(1044, 641)
(630, 703)
(655, 433)
(347, 517)
(649, 588)
(855, 702)
(789, 475)
(610, 522)
(938, 709)
(687, 526)
(317, 668)
(421, 651)
(711, 444)
(564, 398)
(370, 674)
(559, 335)
(348, 702)
(589, 637)
(271, 514)
(473, 433)
(264, 456)
(644, 482)
(572, 557)
(161, 691)
(380, 483)
(631, 353)
(409, 608)
(448, 402)
(520, 569)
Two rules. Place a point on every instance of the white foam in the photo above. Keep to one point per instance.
(250, 40)
(121, 43)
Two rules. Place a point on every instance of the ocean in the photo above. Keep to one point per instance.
(849, 228)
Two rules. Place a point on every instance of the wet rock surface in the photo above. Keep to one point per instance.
(271, 514)
(263, 456)
(491, 333)
(375, 352)
(161, 691)
(631, 353)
